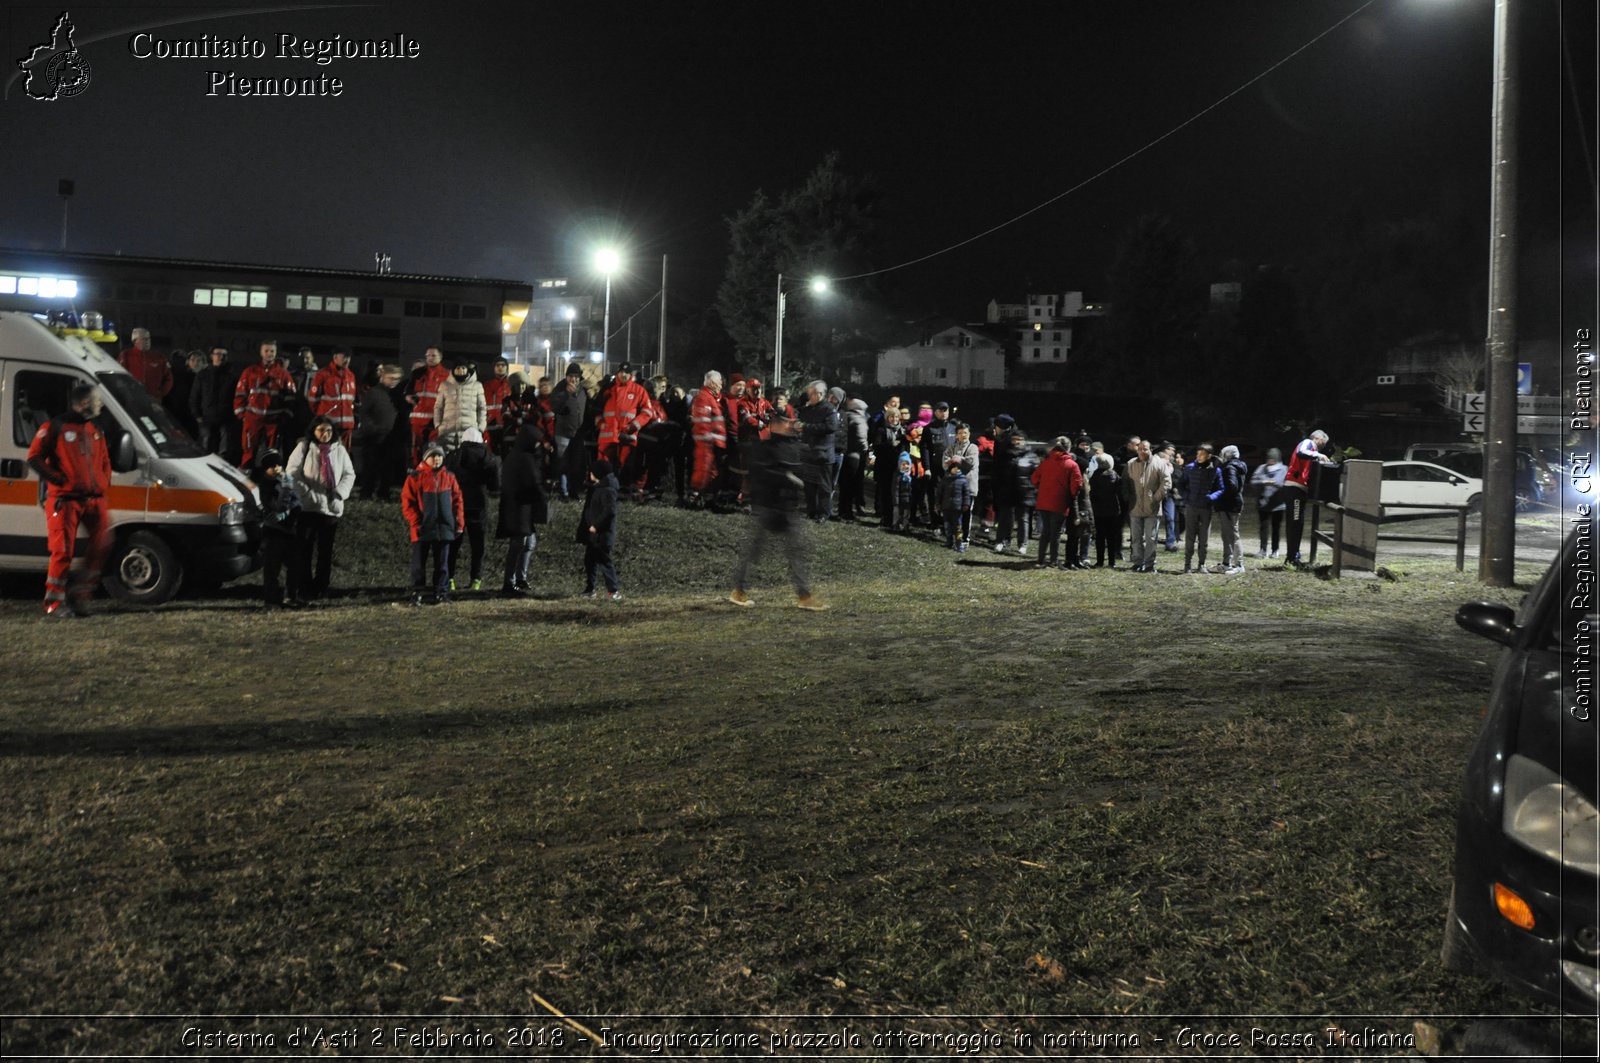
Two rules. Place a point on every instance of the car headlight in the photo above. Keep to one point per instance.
(1545, 814)
(231, 513)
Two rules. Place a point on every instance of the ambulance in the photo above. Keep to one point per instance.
(177, 513)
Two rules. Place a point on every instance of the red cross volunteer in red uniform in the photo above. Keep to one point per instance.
(69, 454)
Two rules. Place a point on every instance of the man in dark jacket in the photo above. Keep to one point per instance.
(379, 449)
(819, 431)
(523, 506)
(773, 485)
(478, 473)
(597, 530)
(568, 405)
(211, 403)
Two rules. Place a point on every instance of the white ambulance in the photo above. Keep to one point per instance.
(176, 512)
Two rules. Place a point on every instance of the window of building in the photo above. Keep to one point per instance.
(944, 374)
(1056, 336)
(313, 302)
(294, 302)
(474, 313)
(352, 305)
(202, 297)
(1055, 354)
(258, 300)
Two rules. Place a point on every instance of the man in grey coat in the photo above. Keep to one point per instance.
(1151, 480)
(819, 421)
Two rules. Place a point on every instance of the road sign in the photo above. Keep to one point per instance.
(1473, 402)
(1535, 425)
(1472, 422)
(1539, 404)
(1524, 378)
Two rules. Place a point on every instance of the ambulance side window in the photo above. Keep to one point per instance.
(39, 397)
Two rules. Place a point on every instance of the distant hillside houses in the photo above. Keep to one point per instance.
(955, 356)
(1042, 327)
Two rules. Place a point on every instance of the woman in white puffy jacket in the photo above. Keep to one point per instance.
(461, 405)
(324, 476)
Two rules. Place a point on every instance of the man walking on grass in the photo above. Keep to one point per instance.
(773, 488)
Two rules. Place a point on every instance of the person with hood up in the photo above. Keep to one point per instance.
(478, 473)
(1267, 478)
(853, 470)
(597, 530)
(775, 485)
(523, 506)
(436, 516)
(1227, 502)
(461, 405)
(1058, 480)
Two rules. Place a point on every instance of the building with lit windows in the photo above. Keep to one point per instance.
(954, 357)
(193, 305)
(1042, 327)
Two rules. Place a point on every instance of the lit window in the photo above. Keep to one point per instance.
(47, 287)
(67, 289)
(27, 285)
(202, 297)
(8, 285)
(351, 304)
(238, 298)
(291, 302)
(313, 302)
(219, 297)
(258, 300)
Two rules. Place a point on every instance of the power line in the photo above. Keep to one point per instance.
(1125, 159)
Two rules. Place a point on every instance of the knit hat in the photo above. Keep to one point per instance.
(268, 458)
(736, 378)
(574, 369)
(1005, 420)
(432, 449)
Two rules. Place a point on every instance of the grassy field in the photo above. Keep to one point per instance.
(972, 789)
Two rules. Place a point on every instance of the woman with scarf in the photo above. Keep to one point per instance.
(323, 475)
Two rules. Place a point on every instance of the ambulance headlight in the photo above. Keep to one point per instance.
(231, 513)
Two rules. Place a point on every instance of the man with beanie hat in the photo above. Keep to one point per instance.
(597, 530)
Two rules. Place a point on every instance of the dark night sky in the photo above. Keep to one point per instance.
(527, 132)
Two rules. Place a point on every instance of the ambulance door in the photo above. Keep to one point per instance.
(32, 395)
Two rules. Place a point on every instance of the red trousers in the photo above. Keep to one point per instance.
(63, 519)
(704, 476)
(258, 434)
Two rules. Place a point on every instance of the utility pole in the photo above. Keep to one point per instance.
(661, 339)
(1497, 550)
(64, 188)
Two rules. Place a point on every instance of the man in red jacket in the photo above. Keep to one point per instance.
(259, 401)
(423, 395)
(332, 394)
(496, 390)
(628, 409)
(69, 454)
(148, 368)
(708, 427)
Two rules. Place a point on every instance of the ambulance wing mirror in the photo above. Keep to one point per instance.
(124, 458)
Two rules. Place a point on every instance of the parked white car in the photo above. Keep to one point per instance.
(1408, 484)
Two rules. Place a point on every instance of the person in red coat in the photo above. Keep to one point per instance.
(69, 454)
(260, 401)
(628, 408)
(148, 368)
(708, 426)
(496, 390)
(332, 394)
(1058, 480)
(423, 395)
(436, 516)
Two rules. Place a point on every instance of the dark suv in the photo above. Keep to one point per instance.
(1523, 906)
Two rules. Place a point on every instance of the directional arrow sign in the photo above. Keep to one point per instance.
(1472, 402)
(1472, 422)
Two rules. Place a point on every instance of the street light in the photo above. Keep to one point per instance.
(819, 286)
(607, 261)
(569, 313)
(547, 367)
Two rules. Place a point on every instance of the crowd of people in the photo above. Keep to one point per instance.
(456, 449)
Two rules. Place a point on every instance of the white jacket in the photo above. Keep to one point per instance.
(460, 407)
(316, 494)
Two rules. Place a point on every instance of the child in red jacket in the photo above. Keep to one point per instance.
(434, 511)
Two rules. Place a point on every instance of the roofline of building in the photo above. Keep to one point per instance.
(255, 267)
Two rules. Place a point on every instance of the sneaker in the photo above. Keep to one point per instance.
(452, 583)
(1261, 553)
(999, 548)
(810, 603)
(1235, 570)
(477, 584)
(511, 590)
(589, 593)
(59, 611)
(1187, 571)
(615, 596)
(416, 600)
(1275, 553)
(740, 598)
(961, 548)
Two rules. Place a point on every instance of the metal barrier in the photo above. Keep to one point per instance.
(1341, 513)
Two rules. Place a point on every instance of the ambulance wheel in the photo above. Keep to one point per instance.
(143, 570)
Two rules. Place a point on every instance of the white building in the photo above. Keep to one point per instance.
(1042, 326)
(955, 357)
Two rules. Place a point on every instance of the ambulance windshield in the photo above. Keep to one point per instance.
(152, 420)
